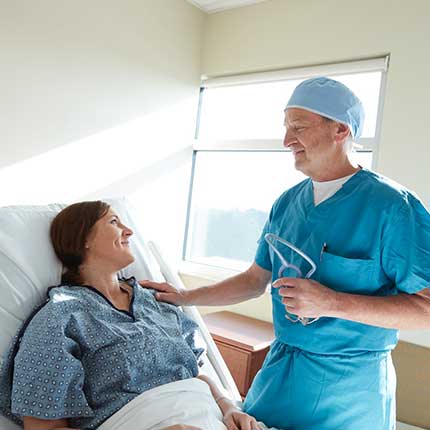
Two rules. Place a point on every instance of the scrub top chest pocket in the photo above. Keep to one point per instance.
(349, 275)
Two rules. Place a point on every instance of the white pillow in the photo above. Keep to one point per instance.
(28, 265)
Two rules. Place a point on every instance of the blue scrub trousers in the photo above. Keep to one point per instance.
(299, 390)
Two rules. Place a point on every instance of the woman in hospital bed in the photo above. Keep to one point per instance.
(99, 342)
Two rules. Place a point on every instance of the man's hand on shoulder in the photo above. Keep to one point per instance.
(167, 292)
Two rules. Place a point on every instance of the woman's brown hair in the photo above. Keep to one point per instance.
(69, 232)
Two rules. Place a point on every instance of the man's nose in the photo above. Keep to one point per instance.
(289, 139)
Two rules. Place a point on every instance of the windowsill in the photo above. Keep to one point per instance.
(206, 272)
(209, 274)
(196, 275)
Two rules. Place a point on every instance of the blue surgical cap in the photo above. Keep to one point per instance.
(331, 99)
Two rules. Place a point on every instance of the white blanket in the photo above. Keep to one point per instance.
(182, 402)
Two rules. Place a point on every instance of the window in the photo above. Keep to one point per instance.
(240, 166)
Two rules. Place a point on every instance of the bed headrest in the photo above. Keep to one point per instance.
(28, 265)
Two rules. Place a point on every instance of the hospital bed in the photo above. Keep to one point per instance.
(28, 266)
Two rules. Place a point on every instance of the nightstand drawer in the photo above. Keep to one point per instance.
(238, 363)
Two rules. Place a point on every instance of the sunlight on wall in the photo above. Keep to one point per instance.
(80, 168)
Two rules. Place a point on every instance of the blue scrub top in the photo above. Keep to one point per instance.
(83, 359)
(371, 238)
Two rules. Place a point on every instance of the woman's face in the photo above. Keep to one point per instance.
(108, 243)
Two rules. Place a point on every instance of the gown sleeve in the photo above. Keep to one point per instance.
(406, 247)
(48, 377)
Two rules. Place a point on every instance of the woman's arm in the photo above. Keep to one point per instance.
(31, 423)
(233, 417)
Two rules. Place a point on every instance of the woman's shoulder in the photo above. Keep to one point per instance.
(61, 302)
(145, 297)
(141, 293)
(66, 298)
(64, 291)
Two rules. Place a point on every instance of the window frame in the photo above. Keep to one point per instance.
(369, 144)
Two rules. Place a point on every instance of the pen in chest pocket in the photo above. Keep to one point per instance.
(323, 249)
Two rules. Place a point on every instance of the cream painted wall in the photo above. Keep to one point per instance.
(98, 98)
(287, 33)
(71, 69)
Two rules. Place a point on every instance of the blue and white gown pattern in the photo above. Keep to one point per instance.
(83, 359)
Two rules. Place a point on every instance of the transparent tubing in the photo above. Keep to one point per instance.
(271, 240)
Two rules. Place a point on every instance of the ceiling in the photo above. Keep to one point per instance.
(211, 6)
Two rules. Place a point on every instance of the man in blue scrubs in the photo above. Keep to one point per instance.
(369, 238)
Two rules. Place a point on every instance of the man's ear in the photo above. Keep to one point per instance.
(342, 132)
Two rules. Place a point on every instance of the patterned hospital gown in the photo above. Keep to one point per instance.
(83, 359)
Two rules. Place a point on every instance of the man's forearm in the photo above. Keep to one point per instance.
(236, 289)
(404, 311)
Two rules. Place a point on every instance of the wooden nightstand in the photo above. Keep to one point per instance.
(243, 342)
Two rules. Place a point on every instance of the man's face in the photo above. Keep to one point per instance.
(311, 139)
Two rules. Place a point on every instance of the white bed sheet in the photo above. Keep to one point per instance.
(187, 402)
